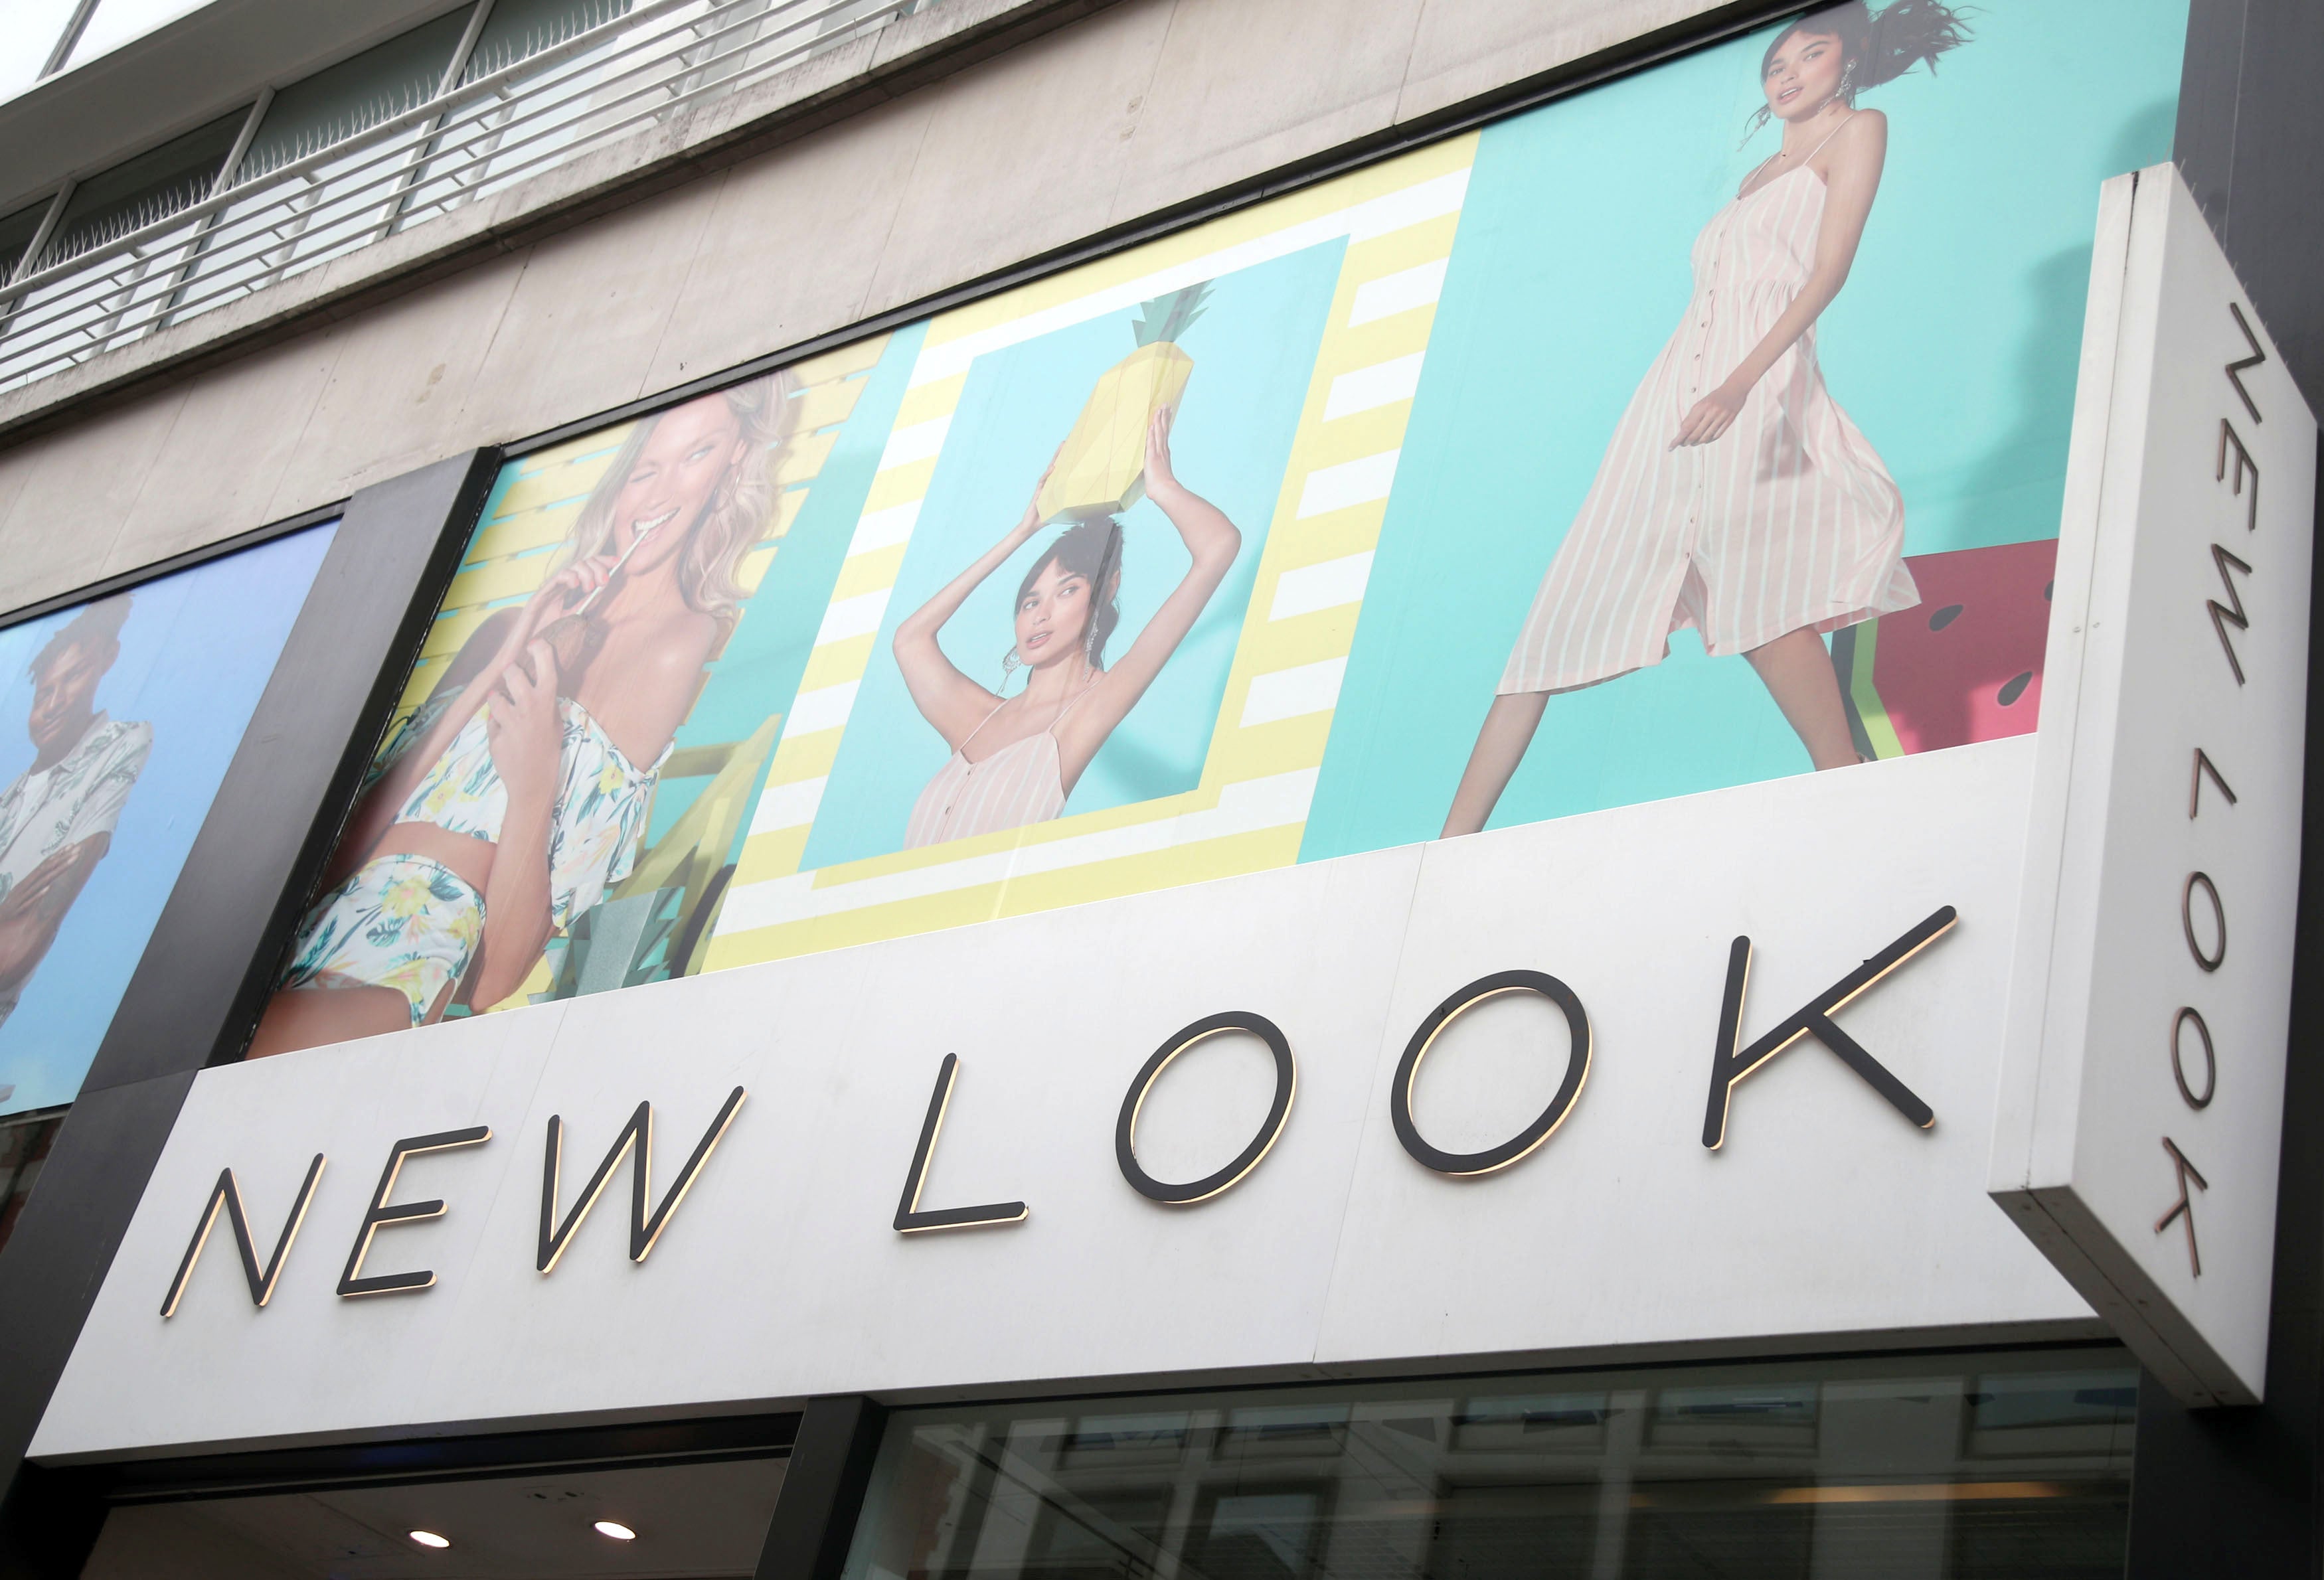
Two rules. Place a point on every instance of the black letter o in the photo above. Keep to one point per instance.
(2210, 1059)
(2209, 962)
(1125, 1128)
(1407, 1071)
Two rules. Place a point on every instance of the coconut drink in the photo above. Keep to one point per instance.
(1101, 469)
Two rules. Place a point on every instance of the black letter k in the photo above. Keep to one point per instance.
(1814, 1019)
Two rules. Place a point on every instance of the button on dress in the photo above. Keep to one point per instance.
(1788, 520)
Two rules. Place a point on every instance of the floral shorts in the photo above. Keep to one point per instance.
(401, 921)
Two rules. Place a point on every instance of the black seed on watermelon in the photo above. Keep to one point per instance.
(2015, 689)
(1944, 617)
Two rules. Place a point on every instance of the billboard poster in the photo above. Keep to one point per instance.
(1704, 427)
(118, 718)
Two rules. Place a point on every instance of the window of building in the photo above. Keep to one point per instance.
(337, 204)
(83, 313)
(1951, 1468)
(465, 158)
(17, 233)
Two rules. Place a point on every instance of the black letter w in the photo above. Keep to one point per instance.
(644, 1230)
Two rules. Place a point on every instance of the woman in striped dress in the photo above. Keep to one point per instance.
(1029, 750)
(1736, 497)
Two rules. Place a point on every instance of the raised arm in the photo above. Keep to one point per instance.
(1852, 179)
(1213, 541)
(947, 699)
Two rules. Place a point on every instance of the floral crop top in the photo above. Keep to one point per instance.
(602, 800)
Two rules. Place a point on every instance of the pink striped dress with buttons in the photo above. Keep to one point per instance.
(1787, 521)
(1021, 783)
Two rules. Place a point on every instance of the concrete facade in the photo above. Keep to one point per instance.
(1142, 110)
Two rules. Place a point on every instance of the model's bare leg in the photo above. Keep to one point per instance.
(308, 1017)
(1500, 747)
(1799, 675)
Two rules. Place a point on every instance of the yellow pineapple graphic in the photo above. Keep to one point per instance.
(1102, 470)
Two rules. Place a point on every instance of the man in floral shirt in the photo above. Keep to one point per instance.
(57, 819)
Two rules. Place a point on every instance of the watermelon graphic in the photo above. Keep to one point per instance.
(1964, 664)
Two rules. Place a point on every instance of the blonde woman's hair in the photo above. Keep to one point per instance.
(738, 513)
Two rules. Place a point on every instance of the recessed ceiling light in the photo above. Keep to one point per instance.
(427, 1539)
(616, 1529)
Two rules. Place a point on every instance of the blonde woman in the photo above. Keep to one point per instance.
(520, 789)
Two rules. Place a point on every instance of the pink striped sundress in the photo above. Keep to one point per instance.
(1787, 521)
(1022, 783)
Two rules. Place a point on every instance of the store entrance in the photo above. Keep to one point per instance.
(602, 1505)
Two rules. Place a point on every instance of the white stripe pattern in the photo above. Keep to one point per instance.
(1324, 585)
(1361, 481)
(1287, 694)
(824, 708)
(1369, 389)
(1396, 293)
(787, 806)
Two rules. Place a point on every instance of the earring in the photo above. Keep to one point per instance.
(1008, 666)
(1848, 84)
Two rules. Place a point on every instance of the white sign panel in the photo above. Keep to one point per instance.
(830, 1243)
(2142, 1100)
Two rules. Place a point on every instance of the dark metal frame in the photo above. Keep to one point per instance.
(198, 988)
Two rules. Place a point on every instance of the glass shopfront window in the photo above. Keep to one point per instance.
(1945, 1467)
(706, 1520)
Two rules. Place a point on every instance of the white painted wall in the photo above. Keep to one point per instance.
(1825, 1214)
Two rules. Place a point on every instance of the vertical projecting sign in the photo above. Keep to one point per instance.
(2137, 1135)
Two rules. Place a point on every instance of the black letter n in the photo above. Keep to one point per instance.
(227, 1194)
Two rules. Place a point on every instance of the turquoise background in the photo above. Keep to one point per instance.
(1953, 346)
(197, 648)
(1254, 351)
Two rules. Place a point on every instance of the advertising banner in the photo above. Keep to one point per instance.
(1699, 429)
(117, 719)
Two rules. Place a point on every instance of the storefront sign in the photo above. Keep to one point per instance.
(774, 1269)
(634, 1140)
(2143, 1096)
